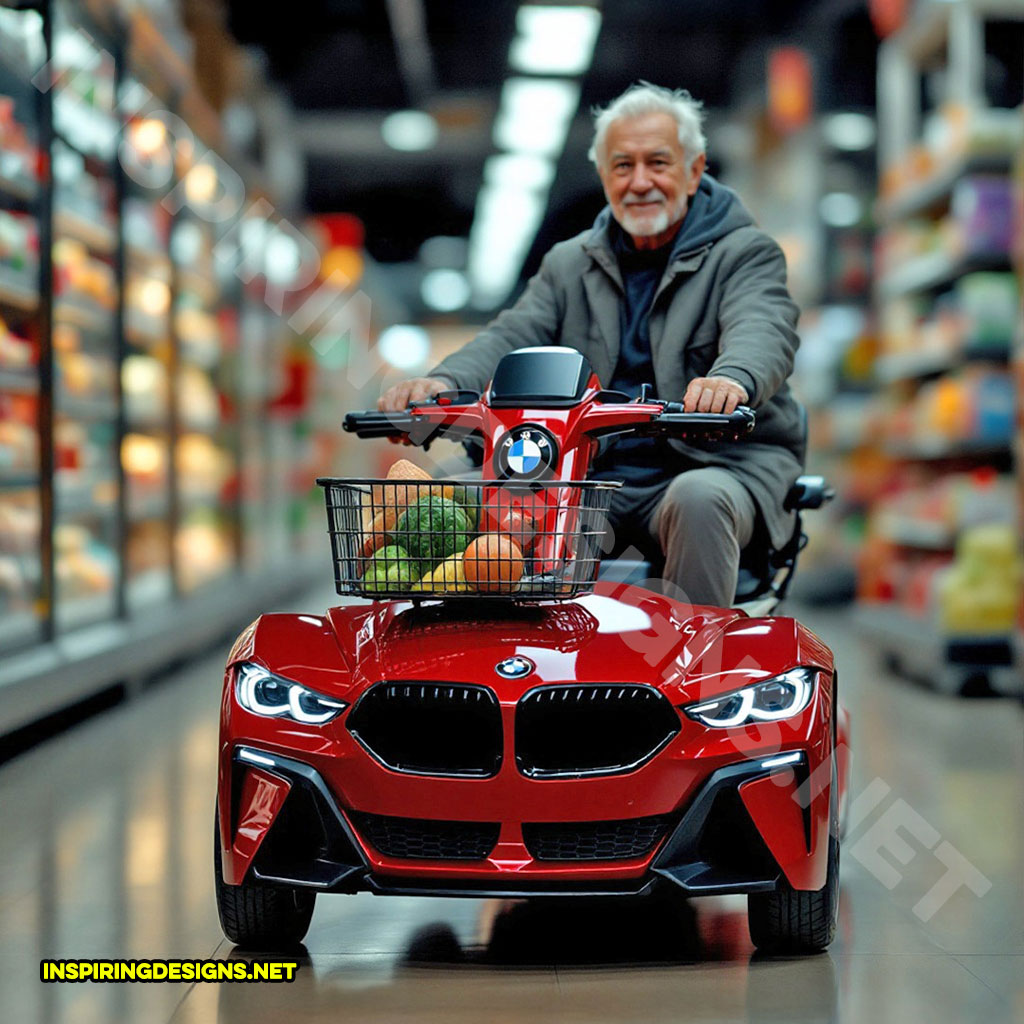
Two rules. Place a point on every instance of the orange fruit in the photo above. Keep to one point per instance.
(493, 563)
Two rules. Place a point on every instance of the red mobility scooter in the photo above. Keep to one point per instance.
(499, 721)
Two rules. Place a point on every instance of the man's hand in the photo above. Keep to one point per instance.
(418, 389)
(714, 394)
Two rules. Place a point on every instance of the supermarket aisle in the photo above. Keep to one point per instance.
(105, 852)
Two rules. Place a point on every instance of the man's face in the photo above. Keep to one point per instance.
(646, 176)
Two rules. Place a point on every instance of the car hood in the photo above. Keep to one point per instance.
(597, 638)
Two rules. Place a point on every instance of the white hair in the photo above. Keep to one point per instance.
(641, 99)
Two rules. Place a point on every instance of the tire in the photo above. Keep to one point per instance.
(258, 916)
(794, 921)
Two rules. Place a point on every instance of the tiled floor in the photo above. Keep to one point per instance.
(105, 852)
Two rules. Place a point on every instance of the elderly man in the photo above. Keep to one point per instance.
(673, 285)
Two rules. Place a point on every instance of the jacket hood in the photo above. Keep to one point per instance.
(715, 211)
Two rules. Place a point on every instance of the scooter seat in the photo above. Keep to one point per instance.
(635, 571)
(625, 570)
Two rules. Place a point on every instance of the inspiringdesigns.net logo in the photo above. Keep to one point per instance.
(119, 971)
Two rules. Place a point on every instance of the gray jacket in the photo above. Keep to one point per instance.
(721, 308)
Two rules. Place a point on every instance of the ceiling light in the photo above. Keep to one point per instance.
(518, 170)
(840, 209)
(534, 115)
(409, 131)
(505, 223)
(445, 290)
(554, 40)
(404, 346)
(849, 131)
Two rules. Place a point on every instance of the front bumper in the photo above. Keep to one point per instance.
(741, 829)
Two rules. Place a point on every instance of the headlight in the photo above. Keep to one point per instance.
(264, 693)
(780, 697)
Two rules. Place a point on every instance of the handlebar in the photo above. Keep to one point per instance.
(378, 424)
(661, 419)
(684, 424)
(418, 428)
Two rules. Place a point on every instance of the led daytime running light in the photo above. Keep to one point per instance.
(800, 679)
(249, 681)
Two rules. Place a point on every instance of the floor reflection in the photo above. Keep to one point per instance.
(549, 932)
(594, 960)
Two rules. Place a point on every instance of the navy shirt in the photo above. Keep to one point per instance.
(637, 461)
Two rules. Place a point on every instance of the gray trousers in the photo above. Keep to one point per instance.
(698, 521)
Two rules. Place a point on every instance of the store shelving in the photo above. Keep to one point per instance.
(85, 324)
(101, 238)
(22, 615)
(947, 662)
(923, 363)
(1017, 367)
(948, 306)
(934, 271)
(154, 484)
(941, 450)
(933, 192)
(146, 372)
(205, 456)
(21, 188)
(18, 481)
(18, 382)
(18, 292)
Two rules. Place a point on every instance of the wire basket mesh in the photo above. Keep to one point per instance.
(456, 539)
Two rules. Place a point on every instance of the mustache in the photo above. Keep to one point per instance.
(654, 195)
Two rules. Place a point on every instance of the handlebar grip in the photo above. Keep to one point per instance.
(681, 424)
(418, 429)
(378, 424)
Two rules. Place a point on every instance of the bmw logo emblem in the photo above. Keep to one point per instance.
(514, 668)
(526, 453)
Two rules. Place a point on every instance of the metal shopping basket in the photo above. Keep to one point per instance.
(456, 539)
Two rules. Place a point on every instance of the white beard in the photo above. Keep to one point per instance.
(652, 224)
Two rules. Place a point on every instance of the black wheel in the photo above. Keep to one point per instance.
(259, 916)
(792, 921)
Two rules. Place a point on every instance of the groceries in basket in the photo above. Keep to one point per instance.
(423, 538)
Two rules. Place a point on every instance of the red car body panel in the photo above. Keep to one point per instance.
(774, 807)
(262, 796)
(688, 653)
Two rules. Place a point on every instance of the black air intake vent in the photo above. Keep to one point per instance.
(420, 839)
(595, 840)
(604, 729)
(430, 728)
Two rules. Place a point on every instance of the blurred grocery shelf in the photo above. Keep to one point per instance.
(912, 344)
(158, 433)
(948, 662)
(935, 270)
(16, 291)
(923, 196)
(940, 572)
(49, 677)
